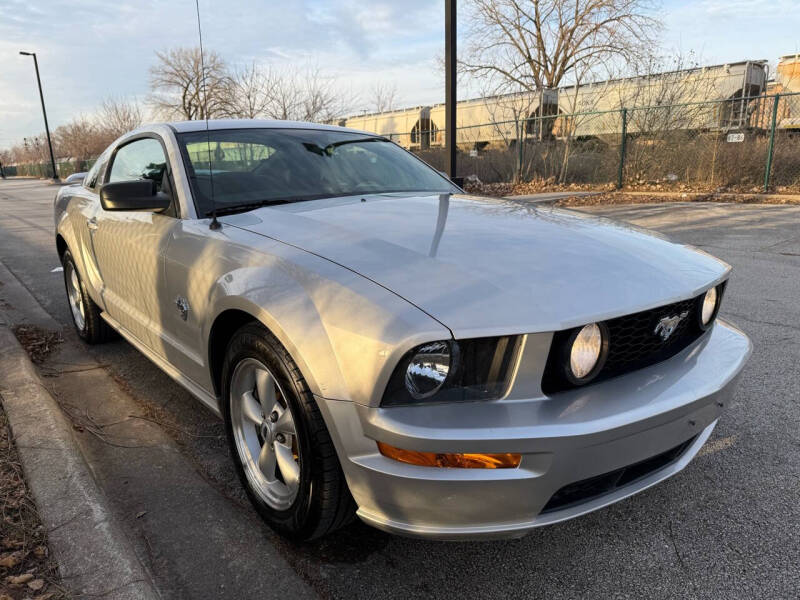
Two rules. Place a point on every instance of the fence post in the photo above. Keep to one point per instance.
(771, 146)
(623, 147)
(520, 133)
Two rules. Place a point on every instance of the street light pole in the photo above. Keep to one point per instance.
(450, 58)
(44, 112)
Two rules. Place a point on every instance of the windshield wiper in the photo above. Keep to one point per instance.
(237, 208)
(328, 150)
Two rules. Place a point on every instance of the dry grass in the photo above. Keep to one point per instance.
(26, 568)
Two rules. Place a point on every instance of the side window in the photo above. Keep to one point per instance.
(141, 159)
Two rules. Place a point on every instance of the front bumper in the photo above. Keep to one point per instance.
(570, 437)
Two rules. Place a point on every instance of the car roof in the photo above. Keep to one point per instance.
(191, 126)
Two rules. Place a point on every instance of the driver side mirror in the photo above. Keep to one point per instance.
(139, 195)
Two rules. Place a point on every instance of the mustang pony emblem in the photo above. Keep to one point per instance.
(667, 325)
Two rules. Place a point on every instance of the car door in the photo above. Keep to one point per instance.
(130, 246)
(81, 211)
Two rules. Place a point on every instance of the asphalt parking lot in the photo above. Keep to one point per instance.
(726, 527)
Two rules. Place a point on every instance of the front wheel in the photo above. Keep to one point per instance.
(282, 450)
(85, 313)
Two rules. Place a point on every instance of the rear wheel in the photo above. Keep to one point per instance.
(282, 450)
(85, 313)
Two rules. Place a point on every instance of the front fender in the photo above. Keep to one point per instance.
(345, 332)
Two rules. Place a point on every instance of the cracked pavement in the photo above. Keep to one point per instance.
(726, 527)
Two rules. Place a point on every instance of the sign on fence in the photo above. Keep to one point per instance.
(735, 137)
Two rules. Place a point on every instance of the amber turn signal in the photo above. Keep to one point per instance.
(457, 461)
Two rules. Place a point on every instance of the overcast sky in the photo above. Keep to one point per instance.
(91, 49)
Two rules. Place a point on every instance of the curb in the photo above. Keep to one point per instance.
(95, 557)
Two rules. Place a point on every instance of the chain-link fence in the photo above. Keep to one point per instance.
(45, 171)
(743, 144)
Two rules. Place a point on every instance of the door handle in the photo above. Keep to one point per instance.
(92, 223)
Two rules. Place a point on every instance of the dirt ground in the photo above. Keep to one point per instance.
(26, 568)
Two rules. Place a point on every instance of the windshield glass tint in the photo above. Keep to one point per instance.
(289, 165)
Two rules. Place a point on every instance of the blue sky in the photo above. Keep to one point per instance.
(92, 49)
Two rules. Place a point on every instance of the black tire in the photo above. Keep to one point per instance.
(93, 330)
(323, 502)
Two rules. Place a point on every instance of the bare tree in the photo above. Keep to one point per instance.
(541, 44)
(261, 91)
(80, 139)
(249, 92)
(177, 82)
(308, 95)
(384, 96)
(322, 99)
(525, 47)
(118, 116)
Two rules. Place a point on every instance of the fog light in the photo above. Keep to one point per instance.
(709, 307)
(456, 461)
(586, 351)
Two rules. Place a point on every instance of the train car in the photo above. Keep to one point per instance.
(715, 98)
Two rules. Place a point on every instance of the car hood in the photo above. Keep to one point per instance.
(484, 266)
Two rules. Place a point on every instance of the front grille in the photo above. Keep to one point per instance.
(594, 487)
(632, 343)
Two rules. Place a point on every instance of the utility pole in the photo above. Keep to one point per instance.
(450, 58)
(44, 112)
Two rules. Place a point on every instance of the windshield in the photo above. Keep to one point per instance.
(249, 167)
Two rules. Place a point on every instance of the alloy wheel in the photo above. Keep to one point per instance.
(75, 296)
(265, 434)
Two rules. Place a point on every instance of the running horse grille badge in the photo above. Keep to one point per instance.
(667, 325)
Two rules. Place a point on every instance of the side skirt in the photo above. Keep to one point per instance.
(193, 388)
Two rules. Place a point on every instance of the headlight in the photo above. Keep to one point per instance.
(453, 371)
(428, 369)
(709, 307)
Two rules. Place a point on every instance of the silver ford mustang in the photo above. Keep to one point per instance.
(380, 344)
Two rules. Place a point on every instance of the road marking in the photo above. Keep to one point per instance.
(57, 270)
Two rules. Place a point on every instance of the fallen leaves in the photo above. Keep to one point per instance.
(10, 560)
(26, 579)
(38, 343)
(26, 569)
(19, 579)
(36, 584)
